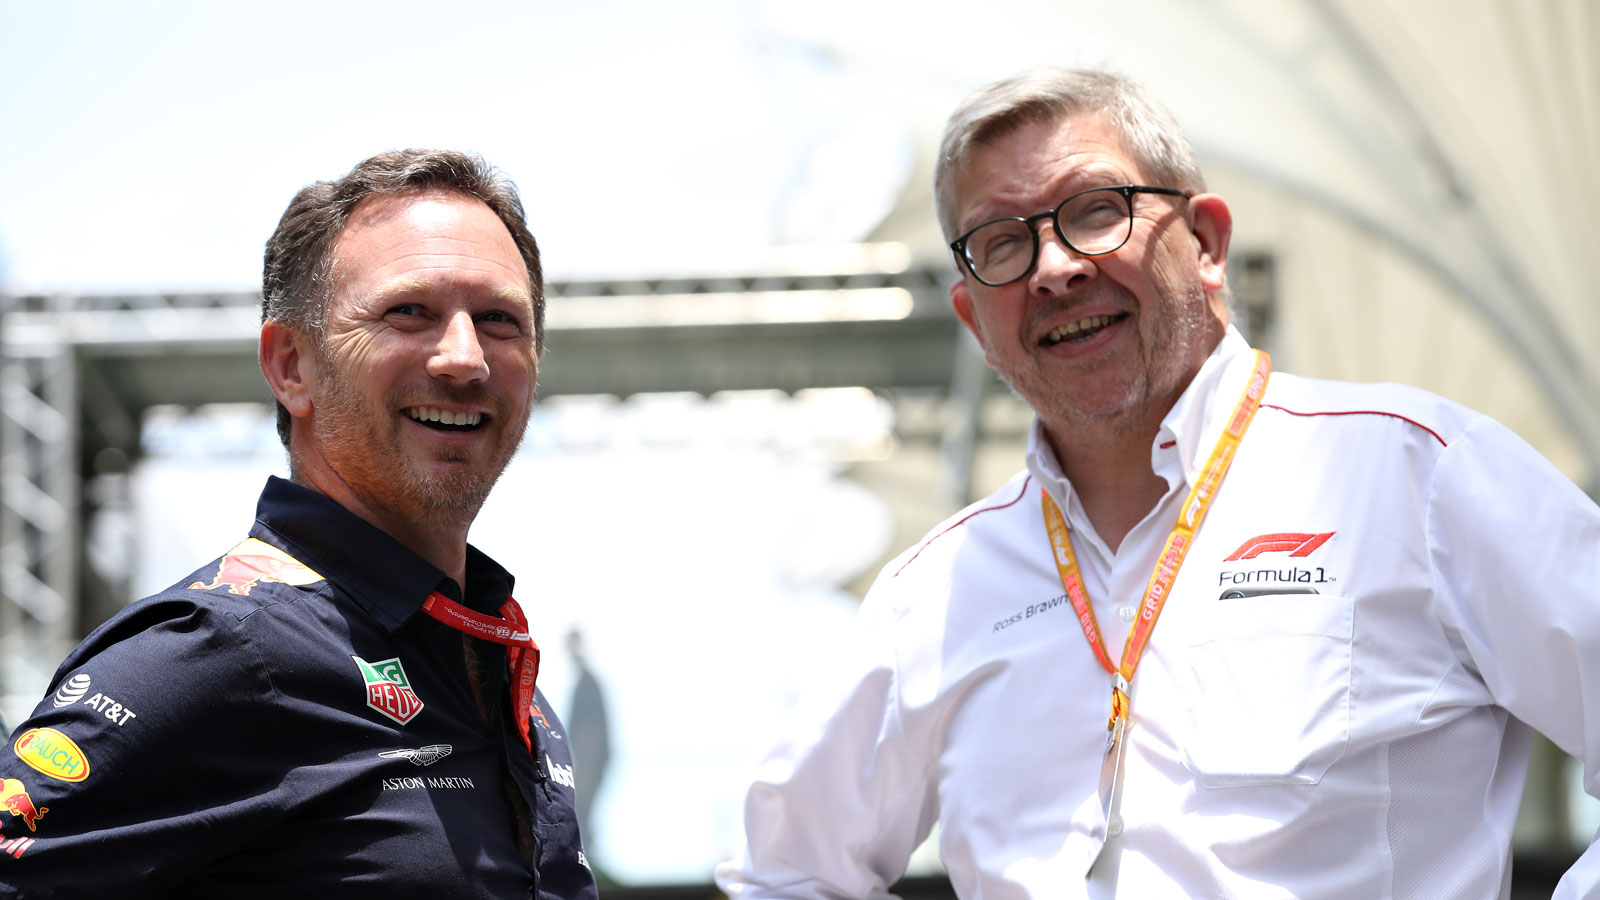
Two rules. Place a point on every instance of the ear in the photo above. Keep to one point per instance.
(961, 301)
(289, 366)
(1212, 224)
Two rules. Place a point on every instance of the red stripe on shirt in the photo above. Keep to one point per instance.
(954, 525)
(1360, 412)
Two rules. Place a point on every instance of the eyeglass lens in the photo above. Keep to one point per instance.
(1093, 222)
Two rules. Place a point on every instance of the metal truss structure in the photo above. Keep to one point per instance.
(79, 372)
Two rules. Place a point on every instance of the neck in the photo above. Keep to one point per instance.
(1112, 478)
(440, 537)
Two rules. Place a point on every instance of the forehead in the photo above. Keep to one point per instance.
(1030, 165)
(429, 238)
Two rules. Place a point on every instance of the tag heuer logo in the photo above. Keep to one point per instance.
(388, 690)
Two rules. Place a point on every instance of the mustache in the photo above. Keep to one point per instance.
(1057, 305)
(446, 394)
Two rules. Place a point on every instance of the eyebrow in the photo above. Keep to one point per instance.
(407, 287)
(1095, 173)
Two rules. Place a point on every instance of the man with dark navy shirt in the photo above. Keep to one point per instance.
(345, 703)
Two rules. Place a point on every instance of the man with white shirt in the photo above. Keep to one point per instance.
(1233, 633)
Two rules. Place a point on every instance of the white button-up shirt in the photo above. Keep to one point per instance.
(1332, 705)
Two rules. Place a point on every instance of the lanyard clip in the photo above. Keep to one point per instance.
(1120, 704)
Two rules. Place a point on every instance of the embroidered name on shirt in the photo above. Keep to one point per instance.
(1028, 612)
(414, 784)
(388, 690)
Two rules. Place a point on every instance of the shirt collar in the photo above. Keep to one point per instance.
(384, 576)
(1187, 432)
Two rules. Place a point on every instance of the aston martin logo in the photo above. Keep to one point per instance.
(425, 756)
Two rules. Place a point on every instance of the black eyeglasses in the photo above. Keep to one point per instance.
(1093, 223)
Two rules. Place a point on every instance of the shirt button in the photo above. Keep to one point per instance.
(1126, 613)
(1114, 827)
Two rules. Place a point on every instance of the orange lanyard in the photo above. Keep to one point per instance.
(1156, 592)
(522, 654)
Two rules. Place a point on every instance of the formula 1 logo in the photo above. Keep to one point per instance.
(1292, 543)
(388, 689)
(253, 562)
(15, 800)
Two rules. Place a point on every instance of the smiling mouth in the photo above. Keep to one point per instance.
(1081, 330)
(444, 420)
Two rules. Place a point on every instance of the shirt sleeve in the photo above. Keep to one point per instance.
(842, 800)
(148, 758)
(1515, 550)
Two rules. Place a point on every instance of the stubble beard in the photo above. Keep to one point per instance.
(348, 429)
(1144, 394)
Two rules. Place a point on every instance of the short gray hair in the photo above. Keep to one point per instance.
(1052, 94)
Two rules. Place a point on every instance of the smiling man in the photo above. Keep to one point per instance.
(1232, 633)
(344, 705)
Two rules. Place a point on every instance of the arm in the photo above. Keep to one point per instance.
(1516, 554)
(841, 801)
(142, 762)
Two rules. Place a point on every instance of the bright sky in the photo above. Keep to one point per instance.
(152, 146)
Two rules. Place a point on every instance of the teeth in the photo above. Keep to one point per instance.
(1071, 328)
(443, 416)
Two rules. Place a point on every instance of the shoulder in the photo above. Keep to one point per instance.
(205, 628)
(995, 518)
(1318, 403)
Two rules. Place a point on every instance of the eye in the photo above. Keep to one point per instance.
(407, 316)
(1096, 209)
(501, 323)
(1000, 242)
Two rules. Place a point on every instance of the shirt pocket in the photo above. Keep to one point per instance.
(1268, 690)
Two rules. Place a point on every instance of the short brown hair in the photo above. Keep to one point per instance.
(297, 269)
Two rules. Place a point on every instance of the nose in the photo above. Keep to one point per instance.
(1058, 268)
(459, 356)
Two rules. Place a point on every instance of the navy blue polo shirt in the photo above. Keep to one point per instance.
(286, 722)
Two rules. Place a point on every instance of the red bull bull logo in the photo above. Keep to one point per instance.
(535, 714)
(254, 562)
(388, 689)
(15, 800)
(52, 753)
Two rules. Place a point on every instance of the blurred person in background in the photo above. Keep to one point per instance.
(344, 705)
(589, 730)
(1342, 610)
